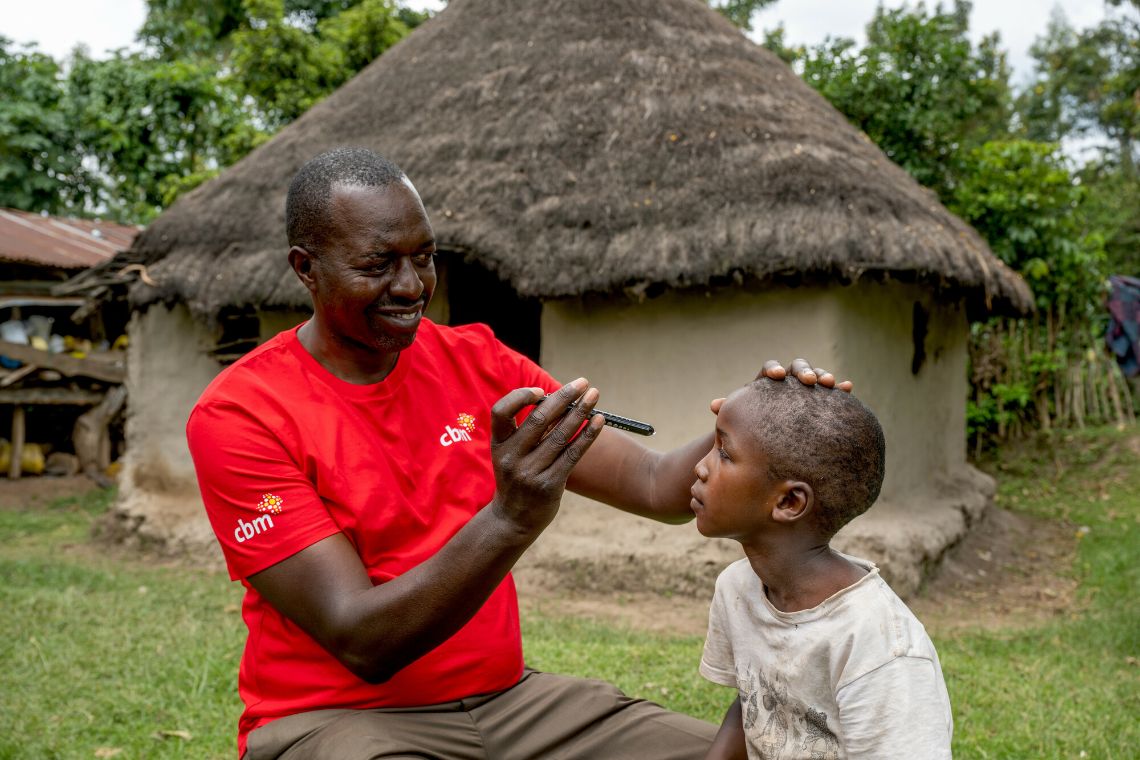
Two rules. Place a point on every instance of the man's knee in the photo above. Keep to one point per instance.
(370, 735)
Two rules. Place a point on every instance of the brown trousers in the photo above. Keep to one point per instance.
(543, 717)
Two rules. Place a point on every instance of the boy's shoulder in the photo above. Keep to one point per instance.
(880, 626)
(738, 574)
(868, 614)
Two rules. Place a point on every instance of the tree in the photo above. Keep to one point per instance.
(286, 69)
(1040, 372)
(1087, 85)
(361, 33)
(181, 29)
(739, 12)
(775, 40)
(1110, 208)
(153, 128)
(186, 28)
(943, 109)
(124, 136)
(1023, 199)
(281, 67)
(38, 169)
(918, 88)
(1088, 82)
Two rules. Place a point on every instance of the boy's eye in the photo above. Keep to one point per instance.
(723, 453)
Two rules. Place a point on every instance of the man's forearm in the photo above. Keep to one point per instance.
(410, 615)
(672, 479)
(621, 472)
(376, 630)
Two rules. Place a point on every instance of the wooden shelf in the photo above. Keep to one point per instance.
(50, 396)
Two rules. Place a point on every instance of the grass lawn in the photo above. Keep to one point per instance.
(106, 657)
(1069, 689)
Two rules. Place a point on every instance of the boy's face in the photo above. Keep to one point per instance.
(732, 492)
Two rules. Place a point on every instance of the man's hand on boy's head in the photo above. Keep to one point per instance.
(801, 370)
(805, 373)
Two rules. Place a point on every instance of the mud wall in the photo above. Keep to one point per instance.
(663, 360)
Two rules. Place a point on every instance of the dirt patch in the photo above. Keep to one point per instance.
(1133, 444)
(1011, 571)
(33, 493)
(29, 492)
(639, 611)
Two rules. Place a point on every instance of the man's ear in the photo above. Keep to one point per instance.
(795, 501)
(302, 262)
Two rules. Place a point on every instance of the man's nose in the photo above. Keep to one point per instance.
(406, 282)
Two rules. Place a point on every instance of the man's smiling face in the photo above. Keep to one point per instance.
(374, 274)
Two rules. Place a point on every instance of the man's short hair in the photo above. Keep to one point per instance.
(825, 438)
(310, 192)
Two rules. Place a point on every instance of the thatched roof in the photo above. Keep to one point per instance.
(576, 146)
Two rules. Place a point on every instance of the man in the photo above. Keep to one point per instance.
(344, 468)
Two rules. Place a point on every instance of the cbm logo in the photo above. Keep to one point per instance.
(453, 435)
(247, 530)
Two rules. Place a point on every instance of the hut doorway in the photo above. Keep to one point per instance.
(475, 294)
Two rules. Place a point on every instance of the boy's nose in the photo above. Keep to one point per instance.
(701, 471)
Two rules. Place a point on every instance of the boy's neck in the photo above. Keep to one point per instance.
(799, 577)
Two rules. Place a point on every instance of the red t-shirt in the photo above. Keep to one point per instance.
(288, 454)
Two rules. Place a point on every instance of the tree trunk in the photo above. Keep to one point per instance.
(92, 440)
(16, 462)
(1078, 404)
(1114, 394)
(1127, 164)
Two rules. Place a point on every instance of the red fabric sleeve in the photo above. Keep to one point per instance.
(518, 371)
(261, 505)
(525, 371)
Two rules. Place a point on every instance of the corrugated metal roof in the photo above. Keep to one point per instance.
(60, 242)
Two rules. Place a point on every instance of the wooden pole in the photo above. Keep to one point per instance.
(17, 460)
(1043, 410)
(91, 440)
(1100, 405)
(1125, 393)
(1059, 409)
(1117, 407)
(1078, 399)
(1102, 399)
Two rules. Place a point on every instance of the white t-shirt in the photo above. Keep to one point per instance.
(854, 677)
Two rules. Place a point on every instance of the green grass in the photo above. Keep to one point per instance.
(1071, 688)
(100, 653)
(104, 654)
(657, 667)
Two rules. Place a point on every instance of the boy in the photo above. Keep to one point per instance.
(828, 662)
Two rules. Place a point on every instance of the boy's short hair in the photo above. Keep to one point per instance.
(825, 438)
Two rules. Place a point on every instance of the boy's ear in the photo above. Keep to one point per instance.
(795, 500)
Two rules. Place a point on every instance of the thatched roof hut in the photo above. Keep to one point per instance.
(646, 182)
(590, 145)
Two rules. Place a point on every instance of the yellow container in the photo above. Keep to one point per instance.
(31, 461)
